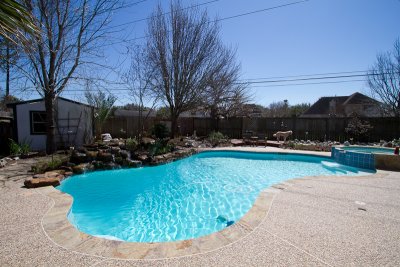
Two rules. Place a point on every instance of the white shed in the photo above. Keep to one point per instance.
(74, 123)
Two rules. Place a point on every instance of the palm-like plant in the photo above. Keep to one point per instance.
(15, 21)
(103, 105)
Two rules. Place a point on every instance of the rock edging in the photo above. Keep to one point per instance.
(83, 161)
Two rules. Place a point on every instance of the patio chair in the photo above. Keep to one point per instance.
(247, 137)
(262, 139)
(253, 140)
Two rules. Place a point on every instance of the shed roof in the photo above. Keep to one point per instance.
(42, 99)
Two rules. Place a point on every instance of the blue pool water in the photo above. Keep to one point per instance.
(185, 199)
(366, 149)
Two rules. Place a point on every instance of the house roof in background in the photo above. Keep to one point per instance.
(358, 98)
(322, 106)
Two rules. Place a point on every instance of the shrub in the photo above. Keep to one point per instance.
(25, 148)
(131, 144)
(160, 147)
(54, 164)
(357, 128)
(17, 149)
(291, 144)
(49, 165)
(14, 147)
(216, 138)
(160, 131)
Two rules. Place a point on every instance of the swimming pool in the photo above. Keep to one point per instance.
(368, 149)
(185, 199)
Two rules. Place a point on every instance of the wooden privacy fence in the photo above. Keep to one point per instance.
(6, 132)
(124, 127)
(303, 128)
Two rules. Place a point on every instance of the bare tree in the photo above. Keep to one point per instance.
(225, 95)
(9, 54)
(298, 109)
(278, 109)
(138, 79)
(70, 31)
(384, 79)
(284, 109)
(184, 50)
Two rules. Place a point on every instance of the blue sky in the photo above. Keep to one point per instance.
(317, 36)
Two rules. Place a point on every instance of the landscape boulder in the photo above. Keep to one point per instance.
(39, 182)
(111, 166)
(81, 168)
(106, 137)
(148, 141)
(143, 157)
(131, 163)
(91, 155)
(3, 163)
(115, 150)
(105, 157)
(124, 154)
(78, 157)
(59, 174)
(66, 168)
(91, 147)
(98, 165)
(50, 178)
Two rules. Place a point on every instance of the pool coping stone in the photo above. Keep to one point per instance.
(60, 231)
(64, 234)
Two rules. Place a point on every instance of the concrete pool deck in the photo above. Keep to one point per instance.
(313, 221)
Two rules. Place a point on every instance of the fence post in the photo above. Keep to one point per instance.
(327, 134)
(294, 123)
(241, 128)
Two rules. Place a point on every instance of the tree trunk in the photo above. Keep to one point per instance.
(8, 71)
(214, 119)
(140, 124)
(50, 129)
(174, 125)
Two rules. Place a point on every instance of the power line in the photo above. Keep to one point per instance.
(129, 5)
(316, 78)
(230, 17)
(301, 84)
(286, 82)
(262, 10)
(202, 4)
(144, 19)
(284, 77)
(79, 92)
(123, 6)
(274, 85)
(306, 75)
